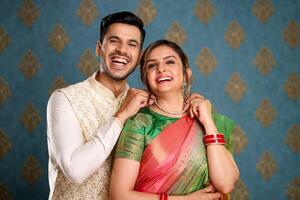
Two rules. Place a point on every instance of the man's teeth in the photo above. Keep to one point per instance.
(120, 60)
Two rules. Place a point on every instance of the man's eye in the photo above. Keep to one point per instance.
(113, 41)
(132, 45)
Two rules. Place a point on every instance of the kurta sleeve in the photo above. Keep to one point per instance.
(131, 142)
(78, 160)
(226, 126)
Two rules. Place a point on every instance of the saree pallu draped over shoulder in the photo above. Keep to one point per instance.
(175, 161)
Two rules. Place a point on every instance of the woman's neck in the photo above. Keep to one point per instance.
(170, 105)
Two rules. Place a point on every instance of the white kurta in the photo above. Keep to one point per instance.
(81, 134)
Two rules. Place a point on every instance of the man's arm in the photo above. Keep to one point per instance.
(77, 160)
(135, 100)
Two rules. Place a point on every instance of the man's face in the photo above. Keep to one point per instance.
(120, 50)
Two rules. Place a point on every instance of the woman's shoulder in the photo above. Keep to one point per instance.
(223, 123)
(226, 126)
(222, 118)
(143, 118)
(143, 115)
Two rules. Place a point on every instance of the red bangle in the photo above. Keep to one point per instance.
(214, 141)
(163, 196)
(214, 136)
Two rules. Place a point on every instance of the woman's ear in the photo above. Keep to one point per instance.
(189, 75)
(140, 56)
(98, 49)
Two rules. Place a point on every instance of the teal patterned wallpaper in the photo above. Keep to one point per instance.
(245, 57)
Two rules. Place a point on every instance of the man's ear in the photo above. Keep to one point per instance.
(98, 49)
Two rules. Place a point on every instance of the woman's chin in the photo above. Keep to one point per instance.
(164, 92)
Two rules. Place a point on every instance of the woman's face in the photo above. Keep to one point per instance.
(164, 70)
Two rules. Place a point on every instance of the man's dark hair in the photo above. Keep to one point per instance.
(123, 17)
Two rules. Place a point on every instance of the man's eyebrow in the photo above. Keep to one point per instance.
(117, 38)
(113, 37)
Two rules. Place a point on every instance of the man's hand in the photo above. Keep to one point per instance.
(135, 100)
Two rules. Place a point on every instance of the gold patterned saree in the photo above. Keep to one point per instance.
(171, 151)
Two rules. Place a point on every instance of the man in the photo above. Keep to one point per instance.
(84, 120)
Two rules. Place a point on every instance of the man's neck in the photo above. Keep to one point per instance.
(117, 87)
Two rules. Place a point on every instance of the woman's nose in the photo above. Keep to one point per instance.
(160, 68)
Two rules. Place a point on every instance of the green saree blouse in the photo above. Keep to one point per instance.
(143, 127)
(146, 125)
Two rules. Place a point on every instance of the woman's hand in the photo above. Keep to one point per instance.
(191, 101)
(201, 108)
(207, 193)
(194, 96)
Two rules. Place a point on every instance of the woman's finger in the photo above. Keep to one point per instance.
(191, 112)
(215, 196)
(209, 188)
(195, 110)
(195, 96)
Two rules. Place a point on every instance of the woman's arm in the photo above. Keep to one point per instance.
(124, 176)
(223, 171)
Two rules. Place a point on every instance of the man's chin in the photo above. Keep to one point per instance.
(118, 77)
(118, 74)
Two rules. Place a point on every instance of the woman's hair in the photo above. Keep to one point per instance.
(172, 45)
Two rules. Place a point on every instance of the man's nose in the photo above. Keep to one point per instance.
(122, 48)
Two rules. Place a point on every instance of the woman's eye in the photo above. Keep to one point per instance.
(170, 62)
(150, 66)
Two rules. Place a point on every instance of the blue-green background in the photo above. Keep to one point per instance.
(229, 60)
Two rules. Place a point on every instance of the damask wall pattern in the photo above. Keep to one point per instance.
(245, 57)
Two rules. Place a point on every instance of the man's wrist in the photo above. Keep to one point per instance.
(120, 116)
(118, 122)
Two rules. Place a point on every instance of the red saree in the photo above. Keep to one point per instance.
(175, 161)
(166, 158)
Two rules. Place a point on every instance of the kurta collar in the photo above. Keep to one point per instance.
(101, 89)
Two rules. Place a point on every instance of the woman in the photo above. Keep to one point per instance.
(166, 151)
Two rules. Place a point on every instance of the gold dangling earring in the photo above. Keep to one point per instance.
(186, 89)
